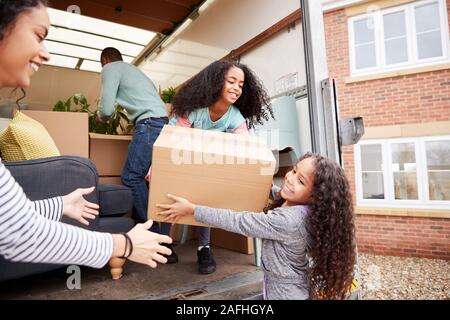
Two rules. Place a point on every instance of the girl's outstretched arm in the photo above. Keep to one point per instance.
(280, 224)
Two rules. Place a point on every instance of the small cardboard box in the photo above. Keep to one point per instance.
(109, 153)
(210, 168)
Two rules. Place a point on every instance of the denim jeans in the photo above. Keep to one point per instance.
(138, 162)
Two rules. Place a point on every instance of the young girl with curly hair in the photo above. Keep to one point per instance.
(308, 231)
(226, 96)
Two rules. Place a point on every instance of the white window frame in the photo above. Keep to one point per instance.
(382, 47)
(352, 44)
(412, 47)
(389, 201)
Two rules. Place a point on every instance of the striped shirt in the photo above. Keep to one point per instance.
(31, 231)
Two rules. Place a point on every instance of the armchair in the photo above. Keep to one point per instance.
(56, 176)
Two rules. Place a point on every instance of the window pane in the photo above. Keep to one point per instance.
(364, 31)
(438, 162)
(396, 48)
(405, 186)
(429, 44)
(439, 185)
(427, 17)
(394, 25)
(404, 167)
(365, 56)
(438, 155)
(396, 51)
(371, 157)
(404, 156)
(372, 184)
(372, 174)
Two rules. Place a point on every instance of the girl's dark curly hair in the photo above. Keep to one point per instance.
(330, 226)
(205, 89)
(11, 9)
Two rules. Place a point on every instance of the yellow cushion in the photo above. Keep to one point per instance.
(26, 139)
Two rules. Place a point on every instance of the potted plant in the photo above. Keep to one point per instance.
(167, 96)
(118, 123)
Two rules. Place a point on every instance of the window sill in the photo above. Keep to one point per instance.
(423, 213)
(397, 73)
(439, 128)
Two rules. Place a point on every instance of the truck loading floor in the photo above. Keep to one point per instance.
(236, 277)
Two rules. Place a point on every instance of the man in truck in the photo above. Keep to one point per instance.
(125, 84)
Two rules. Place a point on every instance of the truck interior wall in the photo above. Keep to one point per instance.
(229, 24)
(51, 84)
(276, 58)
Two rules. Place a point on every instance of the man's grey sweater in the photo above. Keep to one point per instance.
(284, 259)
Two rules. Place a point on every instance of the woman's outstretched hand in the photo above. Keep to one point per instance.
(147, 245)
(78, 208)
(180, 208)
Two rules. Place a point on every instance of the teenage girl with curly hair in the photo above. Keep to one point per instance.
(224, 88)
(308, 231)
(226, 96)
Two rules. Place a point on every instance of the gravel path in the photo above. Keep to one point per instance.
(399, 278)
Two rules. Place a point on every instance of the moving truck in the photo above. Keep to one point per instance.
(283, 42)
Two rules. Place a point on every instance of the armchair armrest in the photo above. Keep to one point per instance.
(56, 176)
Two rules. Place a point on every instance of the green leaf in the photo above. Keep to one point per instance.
(83, 100)
(168, 94)
(76, 99)
(59, 106)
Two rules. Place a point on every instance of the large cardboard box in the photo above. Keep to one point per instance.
(210, 168)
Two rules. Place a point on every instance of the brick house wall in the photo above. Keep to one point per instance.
(408, 99)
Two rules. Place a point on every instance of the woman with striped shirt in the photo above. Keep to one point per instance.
(31, 231)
